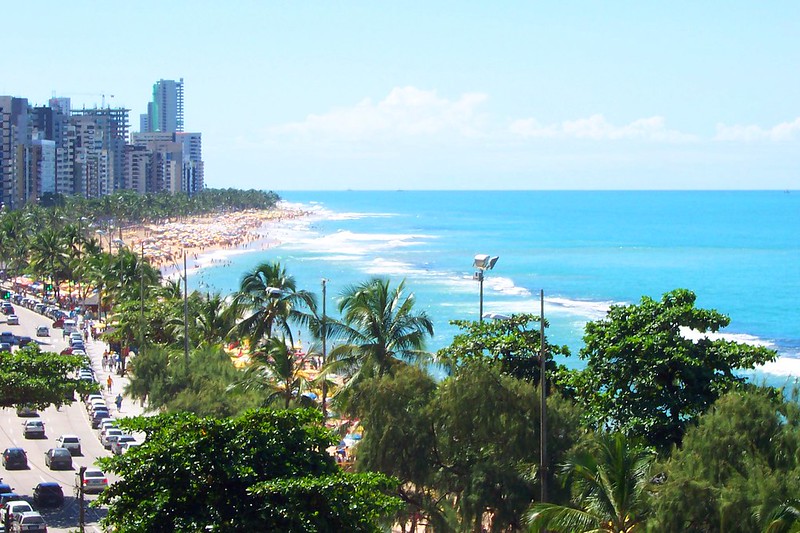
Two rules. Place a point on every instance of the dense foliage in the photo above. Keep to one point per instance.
(262, 471)
(29, 376)
(646, 378)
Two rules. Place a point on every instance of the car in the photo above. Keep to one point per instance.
(77, 351)
(33, 428)
(107, 423)
(14, 509)
(5, 347)
(12, 320)
(42, 331)
(78, 346)
(26, 410)
(70, 442)
(7, 308)
(24, 340)
(109, 436)
(7, 336)
(76, 336)
(58, 323)
(94, 480)
(48, 494)
(124, 447)
(15, 458)
(30, 521)
(96, 404)
(98, 416)
(120, 446)
(94, 395)
(58, 458)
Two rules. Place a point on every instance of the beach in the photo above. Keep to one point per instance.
(202, 237)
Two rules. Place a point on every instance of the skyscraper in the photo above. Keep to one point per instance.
(165, 110)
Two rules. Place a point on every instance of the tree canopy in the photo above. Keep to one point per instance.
(646, 378)
(32, 377)
(262, 471)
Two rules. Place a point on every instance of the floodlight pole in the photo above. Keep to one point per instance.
(480, 308)
(185, 312)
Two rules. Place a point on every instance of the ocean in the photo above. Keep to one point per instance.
(739, 251)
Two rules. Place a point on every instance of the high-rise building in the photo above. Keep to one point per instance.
(165, 110)
(101, 136)
(15, 134)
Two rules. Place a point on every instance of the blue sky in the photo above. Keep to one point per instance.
(441, 95)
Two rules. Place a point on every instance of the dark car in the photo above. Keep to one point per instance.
(5, 347)
(48, 494)
(99, 415)
(15, 458)
(24, 340)
(7, 336)
(58, 458)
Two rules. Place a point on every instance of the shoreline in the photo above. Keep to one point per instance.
(203, 238)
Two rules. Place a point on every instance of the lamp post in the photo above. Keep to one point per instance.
(482, 263)
(543, 400)
(324, 349)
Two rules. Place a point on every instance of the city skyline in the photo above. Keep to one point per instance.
(448, 96)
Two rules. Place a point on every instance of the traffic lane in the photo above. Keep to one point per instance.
(68, 420)
(71, 419)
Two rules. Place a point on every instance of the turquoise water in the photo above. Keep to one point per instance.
(739, 251)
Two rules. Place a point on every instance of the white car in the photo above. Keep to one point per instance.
(42, 331)
(94, 480)
(12, 320)
(109, 436)
(70, 442)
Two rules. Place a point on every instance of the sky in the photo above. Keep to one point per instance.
(440, 95)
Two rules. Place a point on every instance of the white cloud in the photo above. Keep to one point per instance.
(405, 112)
(597, 128)
(785, 131)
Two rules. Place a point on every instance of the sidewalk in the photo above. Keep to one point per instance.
(130, 407)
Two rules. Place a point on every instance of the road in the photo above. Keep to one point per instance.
(71, 419)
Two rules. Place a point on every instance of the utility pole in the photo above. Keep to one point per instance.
(81, 509)
(324, 350)
(543, 401)
(185, 313)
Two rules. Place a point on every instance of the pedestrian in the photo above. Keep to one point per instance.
(109, 382)
(105, 362)
(118, 401)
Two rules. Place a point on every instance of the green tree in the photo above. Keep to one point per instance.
(514, 343)
(30, 376)
(644, 377)
(263, 471)
(398, 440)
(611, 485)
(268, 298)
(277, 374)
(486, 430)
(380, 328)
(734, 468)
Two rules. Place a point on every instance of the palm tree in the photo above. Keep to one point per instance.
(785, 518)
(279, 372)
(267, 298)
(213, 320)
(380, 328)
(610, 487)
(49, 257)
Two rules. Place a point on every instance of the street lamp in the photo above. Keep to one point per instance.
(483, 263)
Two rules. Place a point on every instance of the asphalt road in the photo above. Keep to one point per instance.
(71, 419)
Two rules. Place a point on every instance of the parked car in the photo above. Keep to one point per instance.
(48, 494)
(42, 331)
(94, 480)
(33, 427)
(15, 508)
(7, 308)
(58, 323)
(26, 410)
(30, 521)
(58, 458)
(119, 446)
(15, 458)
(7, 336)
(12, 320)
(109, 436)
(5, 347)
(98, 415)
(70, 442)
